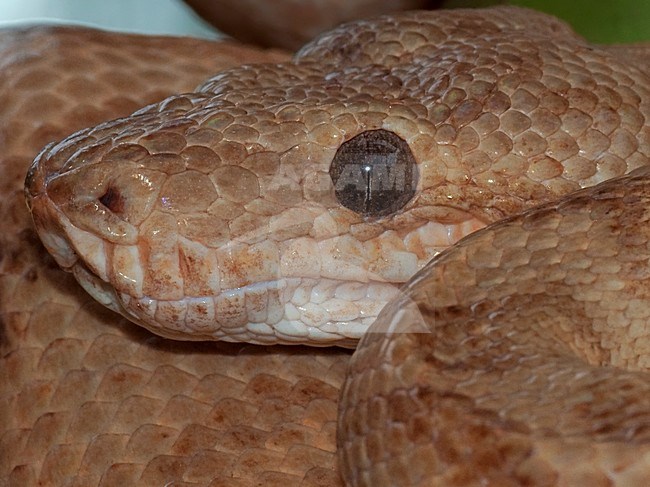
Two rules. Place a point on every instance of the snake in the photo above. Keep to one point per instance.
(491, 160)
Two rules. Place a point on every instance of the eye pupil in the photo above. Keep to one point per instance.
(374, 173)
(113, 200)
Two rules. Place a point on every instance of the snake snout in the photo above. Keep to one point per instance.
(45, 215)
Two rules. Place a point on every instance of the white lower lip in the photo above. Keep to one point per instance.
(294, 310)
(315, 311)
(93, 285)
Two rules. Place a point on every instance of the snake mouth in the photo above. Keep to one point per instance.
(323, 312)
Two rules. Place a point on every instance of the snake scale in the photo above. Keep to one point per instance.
(516, 356)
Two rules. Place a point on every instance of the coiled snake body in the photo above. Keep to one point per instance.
(516, 357)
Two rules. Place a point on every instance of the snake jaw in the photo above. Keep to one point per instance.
(293, 301)
(270, 309)
(265, 313)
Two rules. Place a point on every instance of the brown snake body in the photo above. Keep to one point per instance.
(496, 364)
(290, 24)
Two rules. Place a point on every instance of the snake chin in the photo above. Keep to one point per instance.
(100, 290)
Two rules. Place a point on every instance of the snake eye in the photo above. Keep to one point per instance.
(374, 173)
(113, 200)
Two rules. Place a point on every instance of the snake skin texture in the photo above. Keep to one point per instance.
(84, 398)
(494, 365)
(518, 357)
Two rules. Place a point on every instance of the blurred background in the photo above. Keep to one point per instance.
(146, 16)
(604, 21)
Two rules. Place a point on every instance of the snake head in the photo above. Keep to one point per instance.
(202, 218)
(206, 229)
(287, 202)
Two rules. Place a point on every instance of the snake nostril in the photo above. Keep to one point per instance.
(113, 200)
(374, 173)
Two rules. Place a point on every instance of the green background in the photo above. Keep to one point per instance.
(604, 21)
